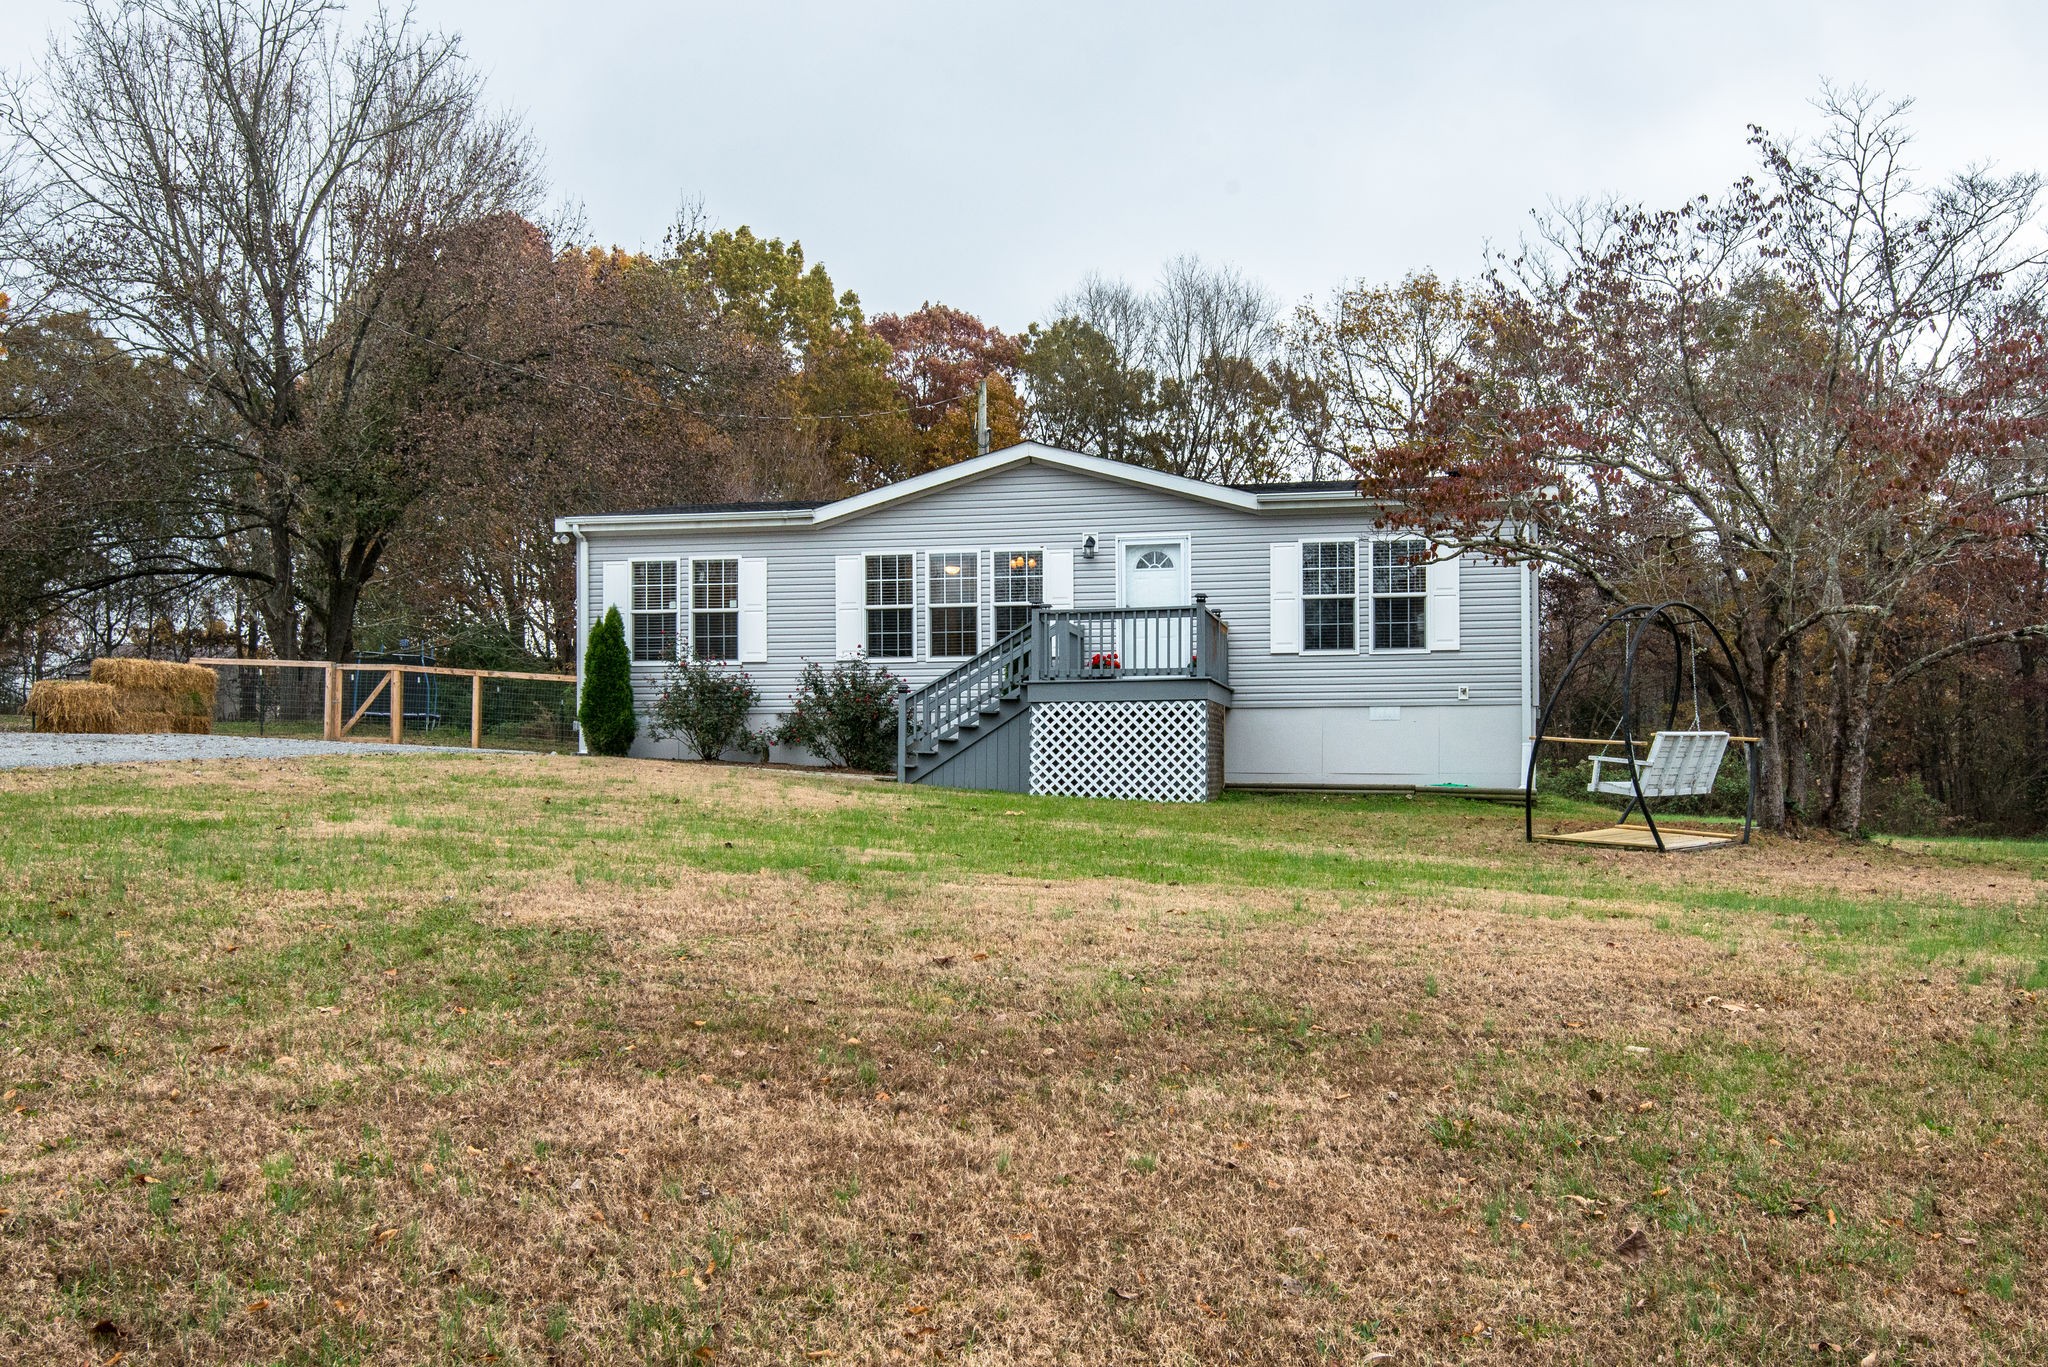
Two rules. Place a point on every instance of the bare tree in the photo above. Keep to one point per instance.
(225, 183)
(1182, 378)
(1369, 365)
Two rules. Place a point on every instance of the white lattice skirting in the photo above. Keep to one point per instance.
(1149, 751)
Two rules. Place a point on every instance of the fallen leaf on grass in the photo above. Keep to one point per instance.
(1122, 1294)
(1634, 1247)
(258, 1306)
(917, 1309)
(385, 1236)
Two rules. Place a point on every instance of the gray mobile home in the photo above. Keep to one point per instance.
(1068, 624)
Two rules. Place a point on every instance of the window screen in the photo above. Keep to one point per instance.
(715, 609)
(1329, 595)
(954, 600)
(1400, 585)
(1019, 583)
(891, 583)
(654, 609)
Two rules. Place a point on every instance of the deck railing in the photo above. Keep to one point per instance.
(1066, 644)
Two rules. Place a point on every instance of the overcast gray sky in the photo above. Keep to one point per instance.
(989, 156)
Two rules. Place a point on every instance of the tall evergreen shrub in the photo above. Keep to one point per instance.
(606, 711)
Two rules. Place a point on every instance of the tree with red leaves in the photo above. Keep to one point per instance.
(942, 355)
(1807, 405)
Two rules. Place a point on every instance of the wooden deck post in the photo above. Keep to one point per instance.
(396, 700)
(476, 711)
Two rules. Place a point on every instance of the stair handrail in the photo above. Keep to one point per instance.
(960, 692)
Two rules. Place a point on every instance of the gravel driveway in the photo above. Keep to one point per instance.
(28, 750)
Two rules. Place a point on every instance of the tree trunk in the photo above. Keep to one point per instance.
(1770, 719)
(1853, 719)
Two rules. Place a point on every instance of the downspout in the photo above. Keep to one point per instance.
(582, 627)
(1529, 658)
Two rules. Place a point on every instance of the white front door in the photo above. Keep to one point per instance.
(1155, 574)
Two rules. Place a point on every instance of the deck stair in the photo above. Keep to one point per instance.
(990, 696)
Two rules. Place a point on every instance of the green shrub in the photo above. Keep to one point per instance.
(845, 715)
(606, 711)
(706, 707)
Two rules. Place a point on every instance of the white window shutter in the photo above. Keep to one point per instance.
(753, 610)
(1285, 608)
(851, 597)
(920, 594)
(1361, 560)
(618, 593)
(985, 601)
(1442, 612)
(1059, 579)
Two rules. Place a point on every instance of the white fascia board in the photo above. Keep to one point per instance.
(966, 472)
(1282, 501)
(1033, 453)
(676, 522)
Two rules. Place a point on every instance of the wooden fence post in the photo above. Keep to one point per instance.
(476, 710)
(396, 699)
(330, 722)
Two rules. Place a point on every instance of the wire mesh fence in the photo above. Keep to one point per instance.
(402, 703)
(266, 698)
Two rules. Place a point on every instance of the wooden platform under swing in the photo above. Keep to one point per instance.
(1678, 763)
(1639, 838)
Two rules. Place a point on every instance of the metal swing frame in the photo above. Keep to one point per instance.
(1637, 620)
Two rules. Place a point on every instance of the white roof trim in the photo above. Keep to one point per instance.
(966, 472)
(1034, 453)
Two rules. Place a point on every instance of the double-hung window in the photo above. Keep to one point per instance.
(953, 598)
(715, 609)
(654, 610)
(1019, 582)
(1329, 595)
(1400, 593)
(892, 607)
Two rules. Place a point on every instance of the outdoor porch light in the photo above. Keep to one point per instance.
(1088, 547)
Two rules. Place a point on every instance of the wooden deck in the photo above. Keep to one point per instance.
(1638, 838)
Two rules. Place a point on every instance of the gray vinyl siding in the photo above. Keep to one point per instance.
(1035, 505)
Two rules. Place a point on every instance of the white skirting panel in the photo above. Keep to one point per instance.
(1148, 751)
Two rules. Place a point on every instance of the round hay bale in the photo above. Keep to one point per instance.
(73, 708)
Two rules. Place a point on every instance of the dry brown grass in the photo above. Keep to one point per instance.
(990, 1119)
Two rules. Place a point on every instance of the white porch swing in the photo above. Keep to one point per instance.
(1680, 763)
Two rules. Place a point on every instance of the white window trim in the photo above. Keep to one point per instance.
(867, 632)
(1187, 561)
(1372, 595)
(1360, 551)
(1001, 548)
(983, 591)
(632, 614)
(686, 598)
